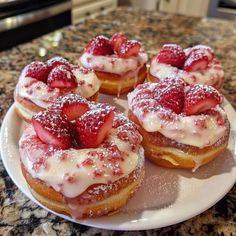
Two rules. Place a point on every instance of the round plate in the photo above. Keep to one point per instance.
(166, 197)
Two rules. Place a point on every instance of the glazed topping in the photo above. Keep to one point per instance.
(71, 105)
(61, 77)
(205, 127)
(52, 128)
(73, 170)
(171, 54)
(200, 98)
(94, 126)
(42, 83)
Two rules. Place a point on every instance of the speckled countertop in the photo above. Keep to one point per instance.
(19, 215)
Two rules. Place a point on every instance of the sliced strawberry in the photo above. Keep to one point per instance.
(117, 39)
(200, 98)
(71, 105)
(52, 128)
(170, 94)
(171, 54)
(99, 45)
(129, 48)
(202, 49)
(61, 77)
(196, 62)
(37, 70)
(93, 127)
(56, 61)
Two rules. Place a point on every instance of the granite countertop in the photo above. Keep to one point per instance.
(19, 215)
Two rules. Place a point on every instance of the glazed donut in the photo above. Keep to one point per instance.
(182, 126)
(40, 84)
(84, 178)
(197, 65)
(120, 64)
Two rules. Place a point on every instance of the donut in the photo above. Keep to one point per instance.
(81, 158)
(183, 126)
(195, 65)
(40, 84)
(120, 64)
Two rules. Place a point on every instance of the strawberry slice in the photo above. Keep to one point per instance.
(99, 45)
(203, 49)
(52, 128)
(129, 48)
(56, 61)
(170, 94)
(93, 127)
(171, 54)
(117, 39)
(71, 105)
(196, 62)
(37, 70)
(61, 77)
(200, 98)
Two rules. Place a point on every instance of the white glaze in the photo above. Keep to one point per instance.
(113, 64)
(213, 75)
(182, 129)
(41, 95)
(55, 169)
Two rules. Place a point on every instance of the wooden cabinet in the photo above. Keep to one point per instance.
(82, 9)
(185, 7)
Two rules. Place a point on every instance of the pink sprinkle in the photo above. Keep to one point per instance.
(69, 177)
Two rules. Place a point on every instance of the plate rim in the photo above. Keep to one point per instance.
(92, 222)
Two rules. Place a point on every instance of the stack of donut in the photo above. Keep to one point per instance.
(86, 159)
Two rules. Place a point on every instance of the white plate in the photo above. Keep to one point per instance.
(166, 197)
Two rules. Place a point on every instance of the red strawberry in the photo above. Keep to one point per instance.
(171, 94)
(56, 61)
(171, 54)
(37, 70)
(117, 39)
(203, 49)
(195, 62)
(61, 77)
(52, 128)
(129, 48)
(71, 105)
(99, 45)
(94, 126)
(200, 98)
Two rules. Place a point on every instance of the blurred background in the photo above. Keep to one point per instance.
(23, 20)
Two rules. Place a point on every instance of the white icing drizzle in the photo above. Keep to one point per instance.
(183, 129)
(113, 64)
(41, 95)
(213, 75)
(64, 169)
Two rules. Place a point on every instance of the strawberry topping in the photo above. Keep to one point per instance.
(170, 94)
(37, 70)
(93, 127)
(71, 105)
(61, 77)
(117, 39)
(171, 54)
(56, 61)
(202, 49)
(99, 45)
(52, 128)
(129, 48)
(200, 98)
(195, 62)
